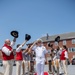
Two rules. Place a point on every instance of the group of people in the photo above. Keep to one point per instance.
(58, 57)
(23, 55)
(59, 60)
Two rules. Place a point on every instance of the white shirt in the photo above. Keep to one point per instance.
(40, 51)
(66, 54)
(6, 50)
(40, 54)
(12, 44)
(19, 48)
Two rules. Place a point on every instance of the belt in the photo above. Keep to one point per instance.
(40, 57)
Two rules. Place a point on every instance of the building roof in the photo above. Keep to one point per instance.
(64, 36)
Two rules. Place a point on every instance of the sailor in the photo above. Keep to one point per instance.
(41, 56)
(56, 60)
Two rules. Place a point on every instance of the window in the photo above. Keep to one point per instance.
(64, 42)
(71, 49)
(73, 41)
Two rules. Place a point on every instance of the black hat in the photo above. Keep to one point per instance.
(50, 45)
(57, 39)
(14, 34)
(27, 37)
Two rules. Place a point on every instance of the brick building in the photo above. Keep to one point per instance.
(67, 39)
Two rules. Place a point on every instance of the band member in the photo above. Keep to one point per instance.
(51, 58)
(26, 61)
(8, 56)
(41, 56)
(32, 62)
(19, 58)
(56, 60)
(63, 59)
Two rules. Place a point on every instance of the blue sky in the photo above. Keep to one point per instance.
(36, 17)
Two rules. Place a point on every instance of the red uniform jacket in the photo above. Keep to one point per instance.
(6, 57)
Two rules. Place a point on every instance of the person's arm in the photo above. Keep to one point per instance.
(23, 43)
(46, 54)
(6, 51)
(20, 47)
(66, 54)
(13, 42)
(54, 57)
(32, 47)
(46, 58)
(25, 50)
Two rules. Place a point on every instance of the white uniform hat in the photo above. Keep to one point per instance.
(39, 40)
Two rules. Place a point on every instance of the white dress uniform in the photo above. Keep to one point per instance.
(40, 58)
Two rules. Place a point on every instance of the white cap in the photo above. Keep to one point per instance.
(39, 40)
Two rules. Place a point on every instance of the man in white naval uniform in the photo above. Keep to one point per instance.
(8, 56)
(41, 56)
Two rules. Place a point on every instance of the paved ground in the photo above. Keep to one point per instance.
(71, 69)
